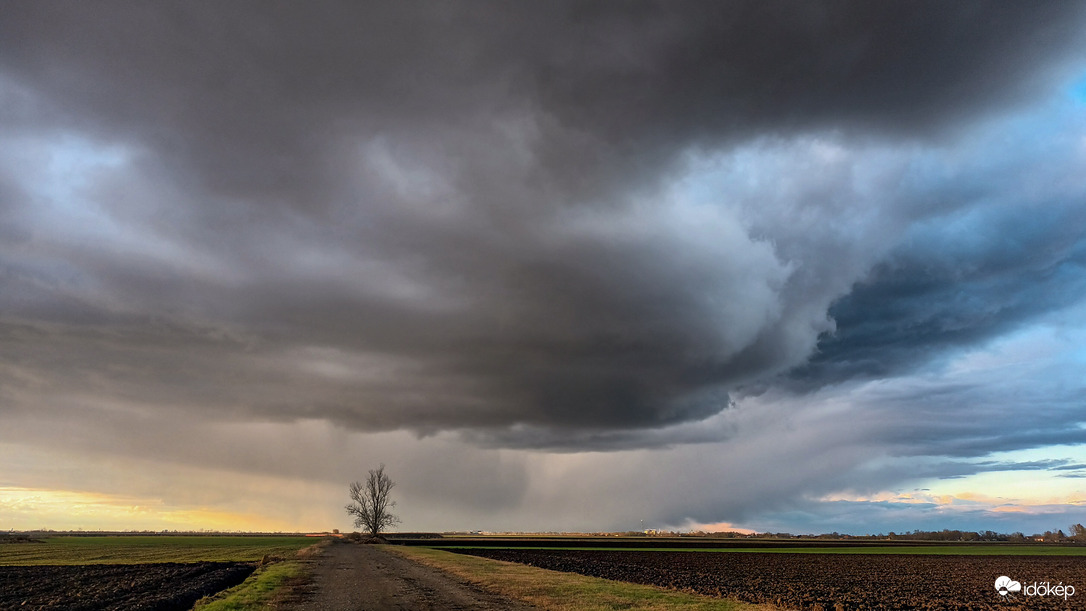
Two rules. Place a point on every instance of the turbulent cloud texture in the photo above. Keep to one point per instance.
(558, 225)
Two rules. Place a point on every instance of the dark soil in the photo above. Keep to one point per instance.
(827, 581)
(142, 587)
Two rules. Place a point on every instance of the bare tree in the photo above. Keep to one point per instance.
(1078, 532)
(371, 502)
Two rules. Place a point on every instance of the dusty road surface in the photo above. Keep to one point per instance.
(350, 577)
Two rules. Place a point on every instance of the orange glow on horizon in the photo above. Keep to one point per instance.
(717, 527)
(32, 508)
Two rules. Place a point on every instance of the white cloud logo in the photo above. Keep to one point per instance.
(1005, 585)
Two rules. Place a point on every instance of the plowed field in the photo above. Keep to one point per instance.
(143, 587)
(831, 582)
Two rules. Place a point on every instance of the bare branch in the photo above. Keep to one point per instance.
(371, 502)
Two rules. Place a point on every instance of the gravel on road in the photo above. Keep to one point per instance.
(353, 577)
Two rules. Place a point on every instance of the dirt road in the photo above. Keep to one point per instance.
(349, 577)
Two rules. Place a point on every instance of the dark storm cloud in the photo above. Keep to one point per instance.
(1070, 467)
(445, 216)
(251, 97)
(954, 284)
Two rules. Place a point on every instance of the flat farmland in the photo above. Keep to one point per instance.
(798, 546)
(160, 573)
(148, 549)
(832, 581)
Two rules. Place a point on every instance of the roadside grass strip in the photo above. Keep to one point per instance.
(267, 585)
(560, 591)
(149, 549)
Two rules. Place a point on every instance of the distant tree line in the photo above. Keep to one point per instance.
(1077, 534)
(957, 535)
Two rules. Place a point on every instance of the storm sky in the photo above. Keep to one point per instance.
(559, 265)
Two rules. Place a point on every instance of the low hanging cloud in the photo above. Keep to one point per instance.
(996, 243)
(495, 219)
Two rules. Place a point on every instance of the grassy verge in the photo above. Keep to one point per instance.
(261, 590)
(564, 591)
(269, 585)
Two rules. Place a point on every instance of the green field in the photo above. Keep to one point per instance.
(151, 548)
(978, 549)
